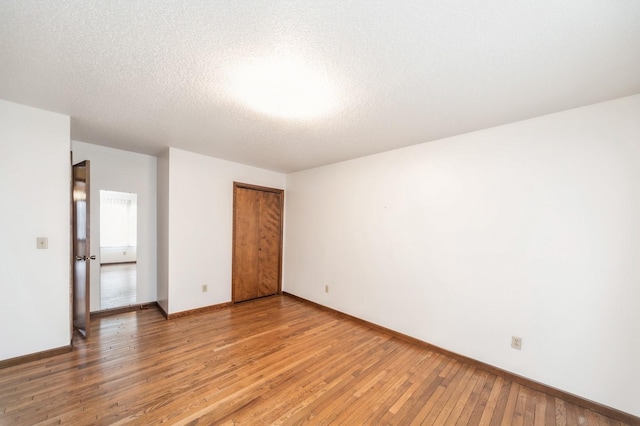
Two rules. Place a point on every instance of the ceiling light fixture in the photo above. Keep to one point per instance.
(284, 87)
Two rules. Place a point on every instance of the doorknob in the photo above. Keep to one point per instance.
(92, 257)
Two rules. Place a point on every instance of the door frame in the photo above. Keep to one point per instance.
(280, 193)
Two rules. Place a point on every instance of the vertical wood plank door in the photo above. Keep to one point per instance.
(257, 241)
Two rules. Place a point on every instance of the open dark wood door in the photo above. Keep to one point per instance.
(81, 248)
(257, 241)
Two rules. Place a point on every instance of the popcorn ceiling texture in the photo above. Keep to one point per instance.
(145, 75)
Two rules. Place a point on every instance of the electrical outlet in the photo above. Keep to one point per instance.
(204, 288)
(326, 289)
(42, 243)
(516, 342)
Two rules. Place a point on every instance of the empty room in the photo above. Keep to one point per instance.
(278, 212)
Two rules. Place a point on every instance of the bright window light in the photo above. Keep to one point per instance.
(284, 88)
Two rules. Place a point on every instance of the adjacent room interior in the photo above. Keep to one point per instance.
(118, 248)
(456, 183)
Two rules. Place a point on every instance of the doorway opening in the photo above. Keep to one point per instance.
(118, 249)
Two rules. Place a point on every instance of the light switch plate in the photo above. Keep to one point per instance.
(42, 243)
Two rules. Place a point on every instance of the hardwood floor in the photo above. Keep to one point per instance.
(270, 361)
(117, 285)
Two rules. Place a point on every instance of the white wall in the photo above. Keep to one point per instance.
(123, 171)
(530, 229)
(118, 254)
(35, 192)
(200, 223)
(163, 231)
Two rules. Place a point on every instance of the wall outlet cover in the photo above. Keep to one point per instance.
(516, 342)
(42, 242)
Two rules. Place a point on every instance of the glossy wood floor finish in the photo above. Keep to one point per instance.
(118, 285)
(270, 361)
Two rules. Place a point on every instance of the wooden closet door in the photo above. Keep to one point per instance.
(257, 241)
(245, 244)
(270, 220)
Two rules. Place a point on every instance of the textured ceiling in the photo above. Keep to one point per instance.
(145, 75)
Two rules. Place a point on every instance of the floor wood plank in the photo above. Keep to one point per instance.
(118, 285)
(275, 361)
